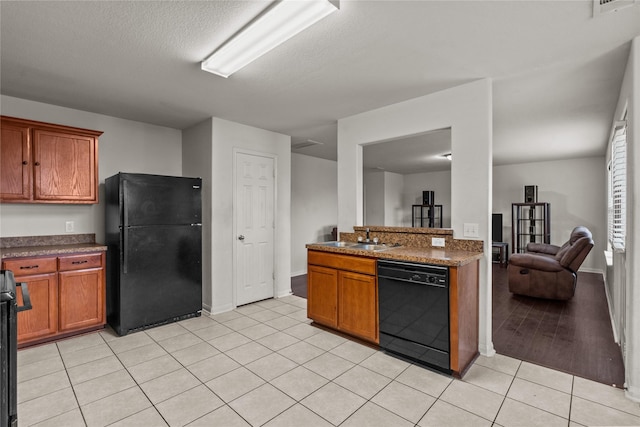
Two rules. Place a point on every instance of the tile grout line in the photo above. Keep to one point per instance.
(73, 390)
(495, 418)
(573, 384)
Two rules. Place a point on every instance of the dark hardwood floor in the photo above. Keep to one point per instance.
(299, 285)
(573, 336)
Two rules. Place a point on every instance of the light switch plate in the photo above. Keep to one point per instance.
(69, 226)
(437, 242)
(471, 230)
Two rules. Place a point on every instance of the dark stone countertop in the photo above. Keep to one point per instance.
(448, 257)
(29, 246)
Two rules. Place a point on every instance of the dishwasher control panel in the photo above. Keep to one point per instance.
(414, 272)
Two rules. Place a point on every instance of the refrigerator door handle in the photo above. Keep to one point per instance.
(125, 232)
(125, 203)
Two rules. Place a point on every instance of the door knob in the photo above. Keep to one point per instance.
(241, 237)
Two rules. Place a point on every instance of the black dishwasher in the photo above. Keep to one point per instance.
(413, 301)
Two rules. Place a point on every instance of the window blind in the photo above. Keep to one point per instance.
(618, 216)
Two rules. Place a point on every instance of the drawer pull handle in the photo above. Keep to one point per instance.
(84, 261)
(29, 267)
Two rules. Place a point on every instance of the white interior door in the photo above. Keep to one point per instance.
(255, 223)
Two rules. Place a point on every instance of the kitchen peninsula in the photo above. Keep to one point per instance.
(344, 287)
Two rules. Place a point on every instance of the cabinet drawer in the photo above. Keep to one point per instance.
(343, 262)
(79, 262)
(29, 266)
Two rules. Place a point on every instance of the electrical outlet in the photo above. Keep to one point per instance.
(437, 242)
(471, 230)
(69, 226)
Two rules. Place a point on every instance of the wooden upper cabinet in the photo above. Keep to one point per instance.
(15, 158)
(59, 164)
(65, 166)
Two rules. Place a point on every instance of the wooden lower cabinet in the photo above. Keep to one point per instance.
(81, 299)
(358, 305)
(342, 293)
(67, 295)
(43, 322)
(322, 295)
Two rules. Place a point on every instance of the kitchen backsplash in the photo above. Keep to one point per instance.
(413, 237)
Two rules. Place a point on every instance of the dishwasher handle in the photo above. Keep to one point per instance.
(414, 282)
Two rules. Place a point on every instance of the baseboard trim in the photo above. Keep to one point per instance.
(616, 338)
(633, 394)
(592, 270)
(221, 309)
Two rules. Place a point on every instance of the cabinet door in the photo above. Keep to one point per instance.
(82, 303)
(358, 305)
(42, 320)
(322, 295)
(65, 167)
(15, 162)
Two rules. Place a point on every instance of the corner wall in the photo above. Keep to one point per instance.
(196, 162)
(314, 205)
(225, 136)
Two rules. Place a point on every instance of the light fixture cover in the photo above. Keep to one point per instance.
(278, 24)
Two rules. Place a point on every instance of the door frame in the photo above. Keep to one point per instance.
(234, 211)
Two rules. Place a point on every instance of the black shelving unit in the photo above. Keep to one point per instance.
(426, 216)
(530, 223)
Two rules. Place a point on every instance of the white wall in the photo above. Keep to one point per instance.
(314, 205)
(196, 161)
(577, 193)
(373, 197)
(629, 277)
(225, 137)
(393, 200)
(438, 182)
(125, 146)
(467, 110)
(384, 199)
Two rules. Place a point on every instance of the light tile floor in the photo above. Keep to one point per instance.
(263, 364)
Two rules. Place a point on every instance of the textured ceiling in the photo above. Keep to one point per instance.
(556, 70)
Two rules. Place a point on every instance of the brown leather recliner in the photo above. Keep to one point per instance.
(549, 271)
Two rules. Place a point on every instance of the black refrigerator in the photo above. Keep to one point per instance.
(154, 258)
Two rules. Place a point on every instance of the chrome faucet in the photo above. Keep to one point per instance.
(367, 239)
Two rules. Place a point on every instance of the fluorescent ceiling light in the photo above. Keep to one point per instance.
(277, 24)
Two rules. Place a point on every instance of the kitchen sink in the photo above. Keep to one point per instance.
(370, 247)
(337, 244)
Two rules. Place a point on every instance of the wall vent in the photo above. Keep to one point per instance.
(605, 6)
(304, 144)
